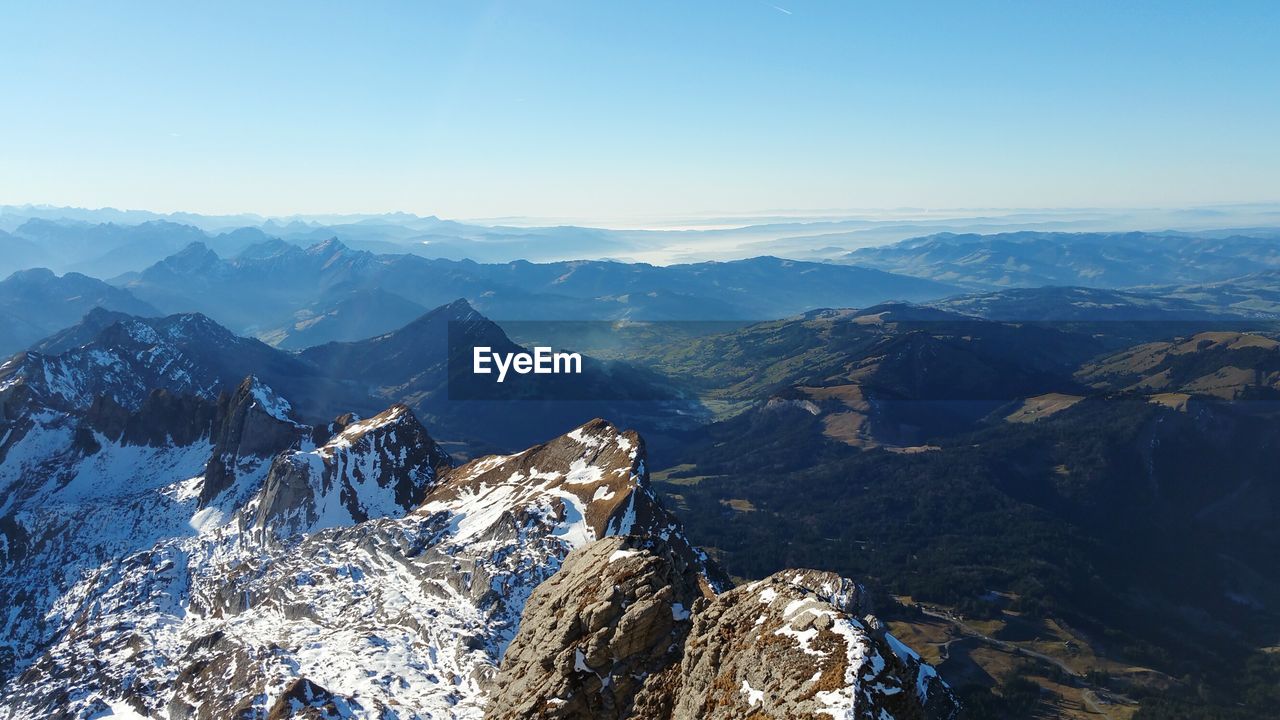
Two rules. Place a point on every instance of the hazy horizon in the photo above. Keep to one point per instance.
(1217, 215)
(828, 235)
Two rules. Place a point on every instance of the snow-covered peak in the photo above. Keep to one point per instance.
(328, 247)
(270, 403)
(127, 360)
(130, 357)
(590, 482)
(320, 586)
(379, 467)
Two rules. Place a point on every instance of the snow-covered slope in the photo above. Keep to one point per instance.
(181, 556)
(83, 489)
(129, 359)
(126, 358)
(88, 482)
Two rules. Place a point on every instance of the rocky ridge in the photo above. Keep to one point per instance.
(625, 631)
(186, 556)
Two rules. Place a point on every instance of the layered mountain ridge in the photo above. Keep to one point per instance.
(36, 303)
(295, 296)
(1090, 259)
(420, 364)
(1061, 480)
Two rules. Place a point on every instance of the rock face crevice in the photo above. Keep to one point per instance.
(615, 614)
(252, 422)
(622, 632)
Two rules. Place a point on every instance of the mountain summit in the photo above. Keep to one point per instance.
(228, 561)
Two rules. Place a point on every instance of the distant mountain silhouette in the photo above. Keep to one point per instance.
(268, 288)
(1097, 260)
(36, 303)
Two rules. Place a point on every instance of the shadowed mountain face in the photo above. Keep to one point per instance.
(428, 365)
(37, 303)
(345, 316)
(418, 365)
(863, 359)
(1097, 260)
(269, 290)
(419, 351)
(126, 357)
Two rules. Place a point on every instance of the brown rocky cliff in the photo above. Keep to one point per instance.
(615, 613)
(623, 631)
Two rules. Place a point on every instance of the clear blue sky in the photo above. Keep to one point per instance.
(608, 109)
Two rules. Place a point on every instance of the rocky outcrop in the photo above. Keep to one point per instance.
(378, 467)
(621, 632)
(798, 645)
(305, 700)
(252, 423)
(614, 614)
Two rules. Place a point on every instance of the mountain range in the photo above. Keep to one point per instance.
(1096, 260)
(37, 303)
(277, 290)
(254, 477)
(192, 555)
(296, 285)
(419, 364)
(818, 236)
(104, 250)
